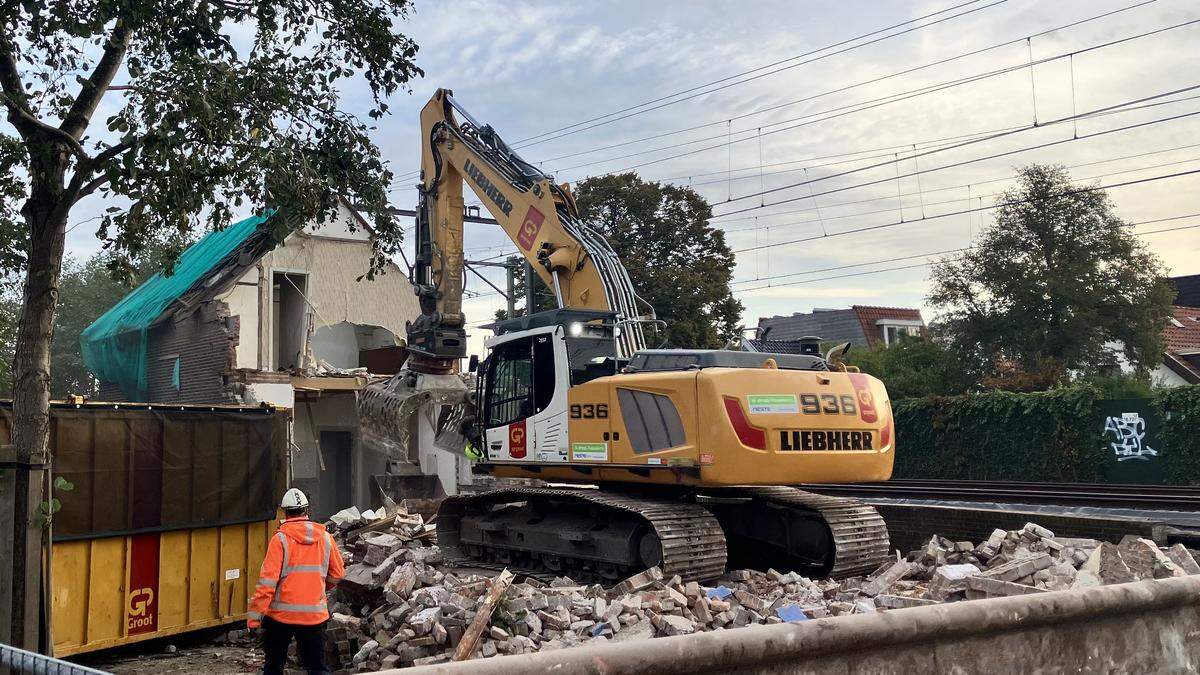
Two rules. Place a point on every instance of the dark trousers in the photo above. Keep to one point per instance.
(310, 646)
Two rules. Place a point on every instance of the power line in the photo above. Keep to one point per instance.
(928, 263)
(963, 211)
(1127, 106)
(952, 201)
(634, 109)
(842, 111)
(695, 91)
(931, 142)
(874, 80)
(948, 187)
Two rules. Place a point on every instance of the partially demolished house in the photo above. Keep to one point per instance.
(241, 320)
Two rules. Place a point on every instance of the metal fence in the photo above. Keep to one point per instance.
(14, 660)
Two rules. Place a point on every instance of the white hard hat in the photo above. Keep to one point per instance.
(293, 499)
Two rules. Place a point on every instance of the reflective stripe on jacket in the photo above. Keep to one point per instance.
(302, 562)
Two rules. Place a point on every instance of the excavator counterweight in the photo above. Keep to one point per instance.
(694, 452)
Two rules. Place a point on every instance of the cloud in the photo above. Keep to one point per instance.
(531, 67)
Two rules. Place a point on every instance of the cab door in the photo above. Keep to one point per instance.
(525, 407)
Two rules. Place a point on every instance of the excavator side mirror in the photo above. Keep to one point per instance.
(835, 356)
(473, 363)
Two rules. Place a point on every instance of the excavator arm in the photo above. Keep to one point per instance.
(539, 216)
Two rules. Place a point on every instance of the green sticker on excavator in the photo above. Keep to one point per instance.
(589, 452)
(762, 404)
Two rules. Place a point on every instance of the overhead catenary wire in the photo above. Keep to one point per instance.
(932, 262)
(874, 80)
(703, 89)
(850, 109)
(822, 218)
(1126, 106)
(725, 82)
(952, 187)
(934, 253)
(964, 211)
(939, 189)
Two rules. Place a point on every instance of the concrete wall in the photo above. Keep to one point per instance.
(910, 525)
(332, 412)
(1143, 627)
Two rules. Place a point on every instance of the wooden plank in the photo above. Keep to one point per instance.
(466, 648)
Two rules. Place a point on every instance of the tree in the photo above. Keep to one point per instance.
(677, 261)
(913, 368)
(1057, 285)
(217, 105)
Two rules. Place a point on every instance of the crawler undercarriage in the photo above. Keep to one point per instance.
(605, 535)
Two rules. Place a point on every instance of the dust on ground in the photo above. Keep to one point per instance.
(180, 654)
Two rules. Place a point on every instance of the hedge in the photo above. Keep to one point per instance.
(1044, 437)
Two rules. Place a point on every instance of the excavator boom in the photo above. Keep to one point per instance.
(538, 215)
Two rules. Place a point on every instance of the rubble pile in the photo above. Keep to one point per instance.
(1018, 562)
(401, 604)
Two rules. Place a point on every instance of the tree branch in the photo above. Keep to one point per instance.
(90, 187)
(93, 89)
(14, 92)
(19, 114)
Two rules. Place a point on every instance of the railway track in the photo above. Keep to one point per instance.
(1158, 497)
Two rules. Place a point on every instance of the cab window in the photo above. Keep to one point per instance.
(520, 380)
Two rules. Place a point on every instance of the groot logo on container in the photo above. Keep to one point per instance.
(142, 610)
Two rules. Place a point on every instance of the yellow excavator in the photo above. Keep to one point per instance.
(685, 456)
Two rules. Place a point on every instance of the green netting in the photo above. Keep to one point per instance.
(114, 346)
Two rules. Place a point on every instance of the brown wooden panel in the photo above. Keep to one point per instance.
(110, 499)
(177, 470)
(234, 472)
(206, 474)
(73, 443)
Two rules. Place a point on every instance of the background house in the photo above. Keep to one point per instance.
(1187, 290)
(860, 325)
(1181, 356)
(241, 320)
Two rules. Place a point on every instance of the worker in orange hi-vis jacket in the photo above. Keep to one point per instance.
(302, 564)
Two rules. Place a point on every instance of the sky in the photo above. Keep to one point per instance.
(528, 68)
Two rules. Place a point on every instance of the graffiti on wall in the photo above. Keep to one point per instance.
(1128, 434)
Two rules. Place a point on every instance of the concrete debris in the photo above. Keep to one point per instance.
(400, 605)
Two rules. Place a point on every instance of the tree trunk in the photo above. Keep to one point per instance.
(46, 217)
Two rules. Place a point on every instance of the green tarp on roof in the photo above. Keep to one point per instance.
(114, 346)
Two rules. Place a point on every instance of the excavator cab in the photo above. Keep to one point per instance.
(523, 384)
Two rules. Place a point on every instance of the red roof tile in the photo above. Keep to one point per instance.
(868, 315)
(1184, 337)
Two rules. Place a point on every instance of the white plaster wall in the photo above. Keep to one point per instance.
(343, 225)
(283, 395)
(242, 299)
(337, 344)
(334, 290)
(1165, 377)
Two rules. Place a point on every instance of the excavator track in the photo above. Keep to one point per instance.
(857, 543)
(601, 535)
(589, 535)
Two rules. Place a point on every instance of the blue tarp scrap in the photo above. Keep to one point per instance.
(791, 613)
(718, 593)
